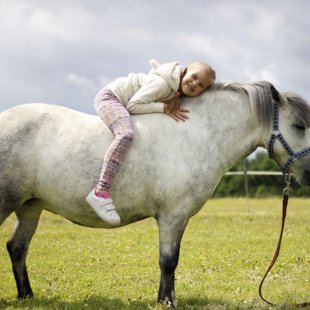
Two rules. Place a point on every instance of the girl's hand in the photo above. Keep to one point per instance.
(173, 109)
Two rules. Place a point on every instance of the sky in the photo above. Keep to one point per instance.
(64, 51)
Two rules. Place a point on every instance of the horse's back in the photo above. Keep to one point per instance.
(39, 115)
(45, 123)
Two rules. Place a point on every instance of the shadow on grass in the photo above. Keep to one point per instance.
(104, 303)
(211, 304)
(94, 302)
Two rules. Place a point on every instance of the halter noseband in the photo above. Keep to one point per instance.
(276, 134)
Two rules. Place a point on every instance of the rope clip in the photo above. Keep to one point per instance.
(286, 190)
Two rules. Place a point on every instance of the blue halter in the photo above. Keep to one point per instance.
(276, 134)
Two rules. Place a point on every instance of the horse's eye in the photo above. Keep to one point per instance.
(300, 127)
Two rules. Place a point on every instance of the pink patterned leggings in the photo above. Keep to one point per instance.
(118, 119)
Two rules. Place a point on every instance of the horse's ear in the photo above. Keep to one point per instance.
(275, 94)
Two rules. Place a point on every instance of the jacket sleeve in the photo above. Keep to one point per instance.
(148, 98)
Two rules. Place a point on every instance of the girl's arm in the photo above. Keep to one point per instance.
(148, 98)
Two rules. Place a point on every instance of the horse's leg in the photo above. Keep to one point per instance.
(171, 229)
(27, 220)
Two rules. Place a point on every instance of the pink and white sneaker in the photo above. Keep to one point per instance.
(104, 208)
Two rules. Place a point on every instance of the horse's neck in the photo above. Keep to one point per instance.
(230, 134)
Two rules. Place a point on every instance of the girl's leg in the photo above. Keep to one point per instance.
(115, 115)
(117, 118)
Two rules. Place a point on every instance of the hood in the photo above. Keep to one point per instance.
(170, 72)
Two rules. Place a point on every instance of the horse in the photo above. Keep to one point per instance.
(51, 156)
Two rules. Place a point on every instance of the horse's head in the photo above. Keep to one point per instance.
(289, 144)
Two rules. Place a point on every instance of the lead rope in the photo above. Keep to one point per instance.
(286, 193)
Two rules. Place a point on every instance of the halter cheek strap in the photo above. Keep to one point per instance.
(276, 135)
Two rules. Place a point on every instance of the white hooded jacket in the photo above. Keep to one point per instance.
(145, 93)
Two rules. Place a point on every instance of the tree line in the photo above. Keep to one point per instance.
(258, 185)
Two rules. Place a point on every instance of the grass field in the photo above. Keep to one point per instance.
(225, 251)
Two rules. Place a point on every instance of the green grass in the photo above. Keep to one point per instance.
(225, 251)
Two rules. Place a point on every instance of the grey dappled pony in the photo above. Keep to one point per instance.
(51, 156)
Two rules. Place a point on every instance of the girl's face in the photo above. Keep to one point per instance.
(195, 81)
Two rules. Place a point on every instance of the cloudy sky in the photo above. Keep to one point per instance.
(64, 51)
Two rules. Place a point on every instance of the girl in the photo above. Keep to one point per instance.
(156, 92)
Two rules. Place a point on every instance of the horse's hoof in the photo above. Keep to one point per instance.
(25, 295)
